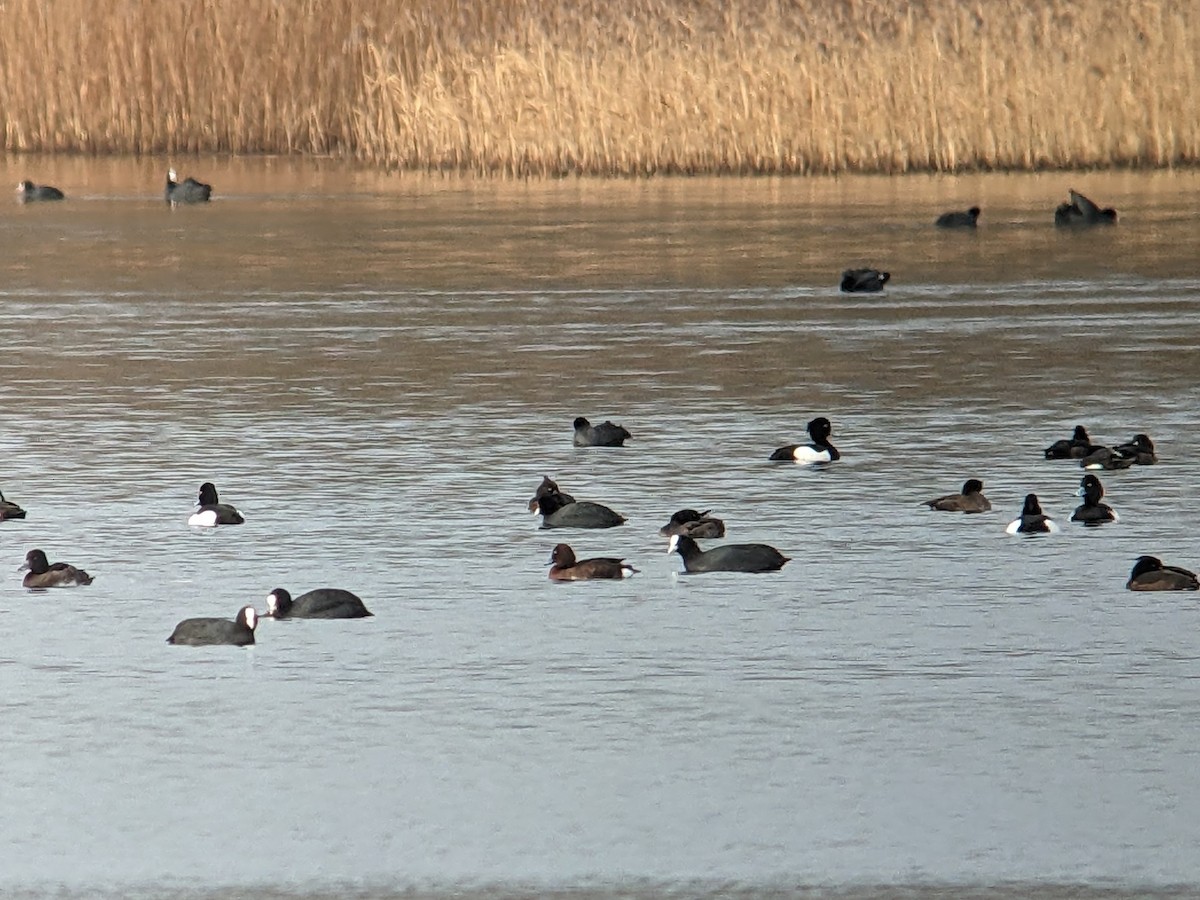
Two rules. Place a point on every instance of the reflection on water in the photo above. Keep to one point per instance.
(379, 372)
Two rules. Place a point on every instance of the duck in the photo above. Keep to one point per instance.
(1077, 446)
(211, 512)
(1032, 520)
(818, 451)
(210, 631)
(606, 434)
(187, 191)
(9, 510)
(729, 558)
(1141, 448)
(693, 524)
(1092, 512)
(558, 511)
(864, 281)
(564, 566)
(45, 574)
(1137, 451)
(959, 218)
(31, 193)
(971, 500)
(322, 603)
(548, 486)
(1081, 212)
(1149, 574)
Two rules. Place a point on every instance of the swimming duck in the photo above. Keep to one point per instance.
(1138, 451)
(971, 500)
(819, 451)
(1082, 213)
(864, 281)
(1032, 520)
(211, 512)
(31, 193)
(210, 631)
(564, 567)
(557, 511)
(606, 434)
(693, 524)
(9, 510)
(728, 558)
(958, 219)
(322, 603)
(187, 191)
(1092, 511)
(45, 574)
(1077, 446)
(1149, 574)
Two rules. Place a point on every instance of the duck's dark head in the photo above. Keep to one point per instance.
(972, 486)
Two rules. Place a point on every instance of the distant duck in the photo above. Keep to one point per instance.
(818, 451)
(971, 500)
(1077, 446)
(1137, 451)
(1032, 520)
(727, 558)
(864, 281)
(693, 524)
(31, 193)
(322, 603)
(606, 434)
(187, 191)
(1092, 511)
(959, 219)
(9, 510)
(1149, 574)
(564, 566)
(1082, 213)
(204, 632)
(211, 512)
(45, 574)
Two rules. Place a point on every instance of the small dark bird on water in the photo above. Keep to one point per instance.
(1082, 213)
(959, 218)
(971, 500)
(564, 566)
(606, 434)
(864, 281)
(31, 193)
(187, 191)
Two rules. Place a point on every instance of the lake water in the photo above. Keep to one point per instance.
(378, 371)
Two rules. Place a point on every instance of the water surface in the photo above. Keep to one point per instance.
(378, 372)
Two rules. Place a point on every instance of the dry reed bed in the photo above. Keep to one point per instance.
(636, 87)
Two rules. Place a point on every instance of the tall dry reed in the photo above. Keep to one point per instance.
(635, 87)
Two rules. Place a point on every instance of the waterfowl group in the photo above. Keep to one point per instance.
(1080, 212)
(561, 510)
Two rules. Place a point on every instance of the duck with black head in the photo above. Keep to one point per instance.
(1092, 512)
(1149, 574)
(606, 434)
(698, 525)
(1077, 446)
(1032, 520)
(210, 511)
(561, 510)
(818, 450)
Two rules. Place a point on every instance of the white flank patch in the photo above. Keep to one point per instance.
(206, 518)
(1013, 526)
(627, 571)
(1052, 526)
(673, 543)
(806, 455)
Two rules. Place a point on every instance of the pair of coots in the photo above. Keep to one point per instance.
(322, 603)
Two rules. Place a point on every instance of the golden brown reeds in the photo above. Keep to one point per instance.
(635, 87)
